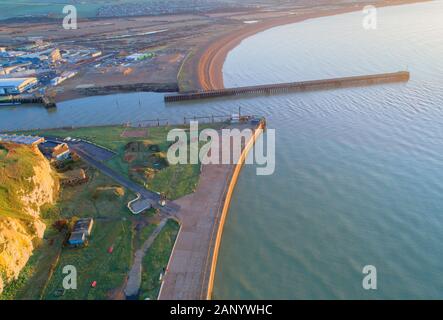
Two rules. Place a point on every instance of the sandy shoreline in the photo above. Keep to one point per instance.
(209, 73)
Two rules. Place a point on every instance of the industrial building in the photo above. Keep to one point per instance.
(12, 86)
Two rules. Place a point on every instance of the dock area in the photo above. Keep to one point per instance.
(365, 80)
(48, 102)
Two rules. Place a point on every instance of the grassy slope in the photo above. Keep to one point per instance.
(16, 166)
(175, 181)
(112, 228)
(94, 263)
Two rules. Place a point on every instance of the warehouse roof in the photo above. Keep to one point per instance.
(14, 82)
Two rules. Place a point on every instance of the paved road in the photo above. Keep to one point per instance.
(94, 155)
(115, 175)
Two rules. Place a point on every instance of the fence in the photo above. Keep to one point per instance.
(142, 123)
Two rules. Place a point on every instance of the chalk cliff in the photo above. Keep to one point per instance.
(27, 183)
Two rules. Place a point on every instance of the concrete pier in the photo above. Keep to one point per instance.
(364, 80)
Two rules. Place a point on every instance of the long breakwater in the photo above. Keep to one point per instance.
(365, 80)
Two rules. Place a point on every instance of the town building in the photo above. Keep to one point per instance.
(13, 86)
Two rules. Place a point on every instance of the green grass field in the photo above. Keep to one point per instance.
(54, 8)
(11, 289)
(156, 260)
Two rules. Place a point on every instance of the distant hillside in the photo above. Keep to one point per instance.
(92, 8)
(27, 182)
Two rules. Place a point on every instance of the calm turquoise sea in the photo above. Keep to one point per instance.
(359, 177)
